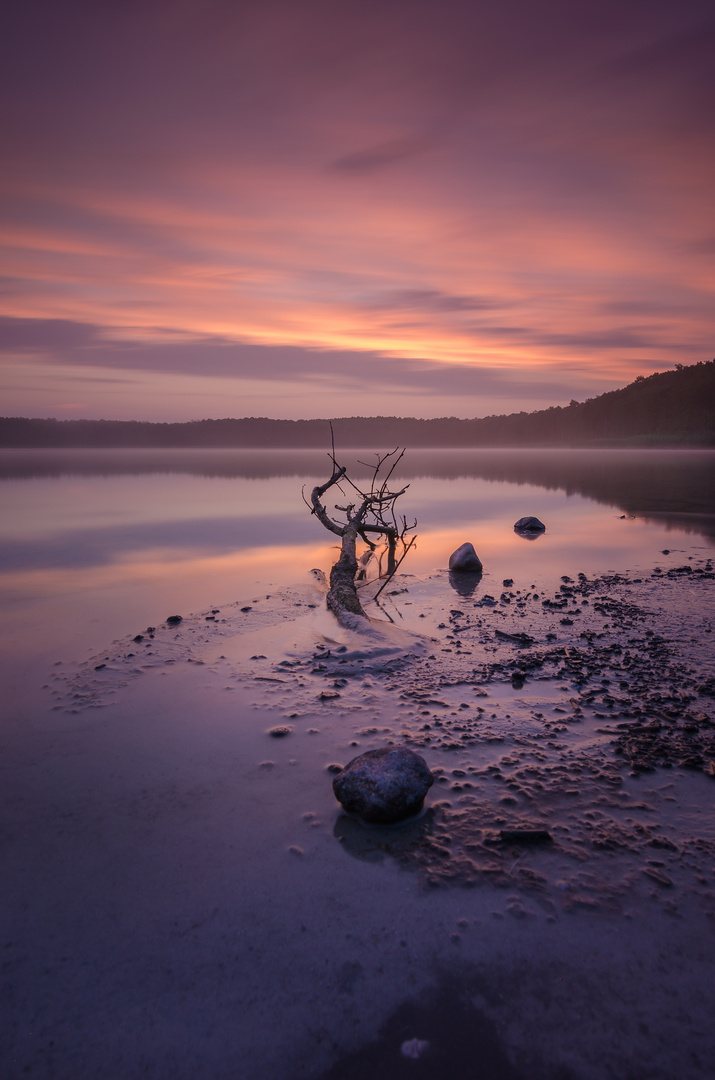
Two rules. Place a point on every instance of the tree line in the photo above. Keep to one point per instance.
(667, 408)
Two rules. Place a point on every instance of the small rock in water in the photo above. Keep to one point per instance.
(465, 559)
(173, 620)
(529, 524)
(280, 732)
(384, 786)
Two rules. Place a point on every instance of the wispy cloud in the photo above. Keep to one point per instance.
(381, 156)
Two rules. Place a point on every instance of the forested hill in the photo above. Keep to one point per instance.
(670, 408)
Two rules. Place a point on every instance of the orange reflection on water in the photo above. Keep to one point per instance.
(179, 568)
(60, 613)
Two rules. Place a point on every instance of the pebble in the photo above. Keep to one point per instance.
(414, 1048)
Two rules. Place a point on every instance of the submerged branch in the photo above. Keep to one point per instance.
(375, 514)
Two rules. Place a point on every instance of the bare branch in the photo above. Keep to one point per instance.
(389, 579)
(373, 515)
(318, 508)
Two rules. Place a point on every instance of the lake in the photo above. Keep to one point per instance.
(184, 897)
(93, 543)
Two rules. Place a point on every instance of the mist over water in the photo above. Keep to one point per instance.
(96, 542)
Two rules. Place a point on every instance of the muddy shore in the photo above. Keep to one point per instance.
(187, 898)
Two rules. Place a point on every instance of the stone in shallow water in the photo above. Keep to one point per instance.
(466, 559)
(529, 524)
(384, 786)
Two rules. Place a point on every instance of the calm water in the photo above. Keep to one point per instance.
(182, 897)
(95, 544)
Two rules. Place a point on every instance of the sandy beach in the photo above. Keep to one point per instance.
(184, 896)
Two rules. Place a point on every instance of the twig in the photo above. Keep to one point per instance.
(397, 567)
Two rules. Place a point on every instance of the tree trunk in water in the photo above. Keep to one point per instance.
(374, 514)
(342, 595)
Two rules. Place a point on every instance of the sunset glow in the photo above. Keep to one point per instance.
(318, 209)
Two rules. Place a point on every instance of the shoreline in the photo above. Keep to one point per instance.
(217, 912)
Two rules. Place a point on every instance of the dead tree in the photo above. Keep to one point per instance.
(372, 514)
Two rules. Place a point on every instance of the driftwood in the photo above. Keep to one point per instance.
(372, 514)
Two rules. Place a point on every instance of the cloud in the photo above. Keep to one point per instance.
(381, 156)
(32, 335)
(431, 300)
(448, 195)
(84, 346)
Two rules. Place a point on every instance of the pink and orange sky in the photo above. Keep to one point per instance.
(309, 208)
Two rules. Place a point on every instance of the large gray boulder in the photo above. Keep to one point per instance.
(529, 524)
(465, 560)
(384, 786)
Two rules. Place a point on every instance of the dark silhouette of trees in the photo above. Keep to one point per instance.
(668, 408)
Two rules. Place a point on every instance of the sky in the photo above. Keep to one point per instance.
(315, 208)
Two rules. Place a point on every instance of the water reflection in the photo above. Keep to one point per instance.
(95, 544)
(371, 843)
(673, 485)
(464, 583)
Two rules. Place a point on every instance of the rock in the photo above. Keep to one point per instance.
(384, 786)
(280, 731)
(529, 524)
(414, 1048)
(465, 560)
(525, 836)
(174, 620)
(517, 638)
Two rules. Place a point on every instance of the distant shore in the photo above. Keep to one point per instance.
(18, 433)
(667, 409)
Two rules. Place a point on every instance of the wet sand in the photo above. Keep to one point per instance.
(184, 897)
